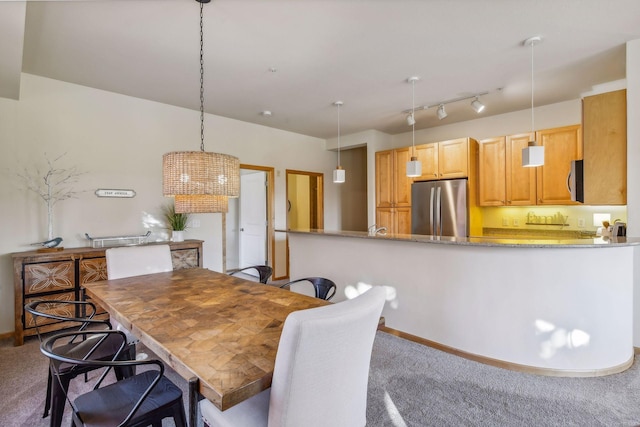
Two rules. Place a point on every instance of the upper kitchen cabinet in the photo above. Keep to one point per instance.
(491, 172)
(502, 179)
(561, 146)
(393, 190)
(605, 148)
(444, 160)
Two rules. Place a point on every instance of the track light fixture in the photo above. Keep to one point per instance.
(477, 105)
(411, 120)
(441, 113)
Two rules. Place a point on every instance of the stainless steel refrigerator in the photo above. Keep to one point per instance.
(439, 208)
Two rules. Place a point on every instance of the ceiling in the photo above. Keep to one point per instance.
(296, 57)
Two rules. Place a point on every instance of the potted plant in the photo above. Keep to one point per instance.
(177, 222)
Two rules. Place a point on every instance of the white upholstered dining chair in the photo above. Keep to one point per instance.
(133, 261)
(321, 370)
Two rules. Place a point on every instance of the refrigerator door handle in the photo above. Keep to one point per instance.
(432, 229)
(438, 214)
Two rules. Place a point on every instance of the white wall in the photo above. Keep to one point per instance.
(633, 172)
(119, 141)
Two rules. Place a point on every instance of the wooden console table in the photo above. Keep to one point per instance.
(60, 275)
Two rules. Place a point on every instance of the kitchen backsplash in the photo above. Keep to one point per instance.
(550, 220)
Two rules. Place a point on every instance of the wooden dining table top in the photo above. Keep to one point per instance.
(221, 329)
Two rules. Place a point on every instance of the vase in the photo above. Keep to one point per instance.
(177, 235)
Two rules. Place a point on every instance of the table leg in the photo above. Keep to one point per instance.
(194, 384)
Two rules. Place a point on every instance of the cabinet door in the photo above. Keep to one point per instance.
(453, 159)
(491, 172)
(93, 270)
(384, 218)
(184, 258)
(402, 183)
(561, 146)
(520, 181)
(55, 309)
(605, 148)
(384, 179)
(49, 277)
(402, 223)
(428, 156)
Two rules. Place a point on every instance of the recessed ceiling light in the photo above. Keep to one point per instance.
(266, 113)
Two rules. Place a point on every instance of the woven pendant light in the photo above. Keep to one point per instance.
(200, 181)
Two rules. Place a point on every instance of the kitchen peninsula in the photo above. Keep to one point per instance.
(553, 307)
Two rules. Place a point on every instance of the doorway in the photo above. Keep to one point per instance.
(305, 202)
(249, 222)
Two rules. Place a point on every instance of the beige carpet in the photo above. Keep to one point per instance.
(409, 385)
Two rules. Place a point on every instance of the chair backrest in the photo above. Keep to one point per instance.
(76, 314)
(264, 272)
(138, 260)
(324, 288)
(322, 366)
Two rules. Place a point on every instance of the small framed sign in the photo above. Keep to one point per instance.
(115, 193)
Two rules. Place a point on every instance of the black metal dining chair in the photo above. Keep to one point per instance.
(324, 288)
(264, 272)
(80, 316)
(140, 400)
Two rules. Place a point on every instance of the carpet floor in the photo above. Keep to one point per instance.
(409, 385)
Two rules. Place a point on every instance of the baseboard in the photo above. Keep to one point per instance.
(508, 365)
(6, 335)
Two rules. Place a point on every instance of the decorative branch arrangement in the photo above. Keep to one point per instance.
(53, 186)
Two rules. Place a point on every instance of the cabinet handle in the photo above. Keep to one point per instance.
(435, 174)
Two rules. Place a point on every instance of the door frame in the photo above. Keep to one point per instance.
(319, 202)
(271, 235)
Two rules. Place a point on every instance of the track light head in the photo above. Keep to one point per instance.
(411, 120)
(441, 113)
(477, 105)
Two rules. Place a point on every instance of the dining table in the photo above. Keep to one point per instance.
(218, 332)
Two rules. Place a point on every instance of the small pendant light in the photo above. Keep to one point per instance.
(533, 154)
(414, 166)
(338, 173)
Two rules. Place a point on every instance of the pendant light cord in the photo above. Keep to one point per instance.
(338, 134)
(413, 112)
(201, 79)
(532, 116)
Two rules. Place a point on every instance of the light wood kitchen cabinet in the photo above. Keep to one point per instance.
(520, 181)
(502, 179)
(393, 190)
(444, 160)
(491, 172)
(561, 146)
(604, 119)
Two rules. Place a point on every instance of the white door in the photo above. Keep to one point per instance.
(253, 218)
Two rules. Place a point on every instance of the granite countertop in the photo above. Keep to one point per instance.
(495, 241)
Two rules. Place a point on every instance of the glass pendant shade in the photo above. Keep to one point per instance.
(414, 167)
(339, 175)
(533, 155)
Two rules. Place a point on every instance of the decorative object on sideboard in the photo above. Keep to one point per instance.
(53, 186)
(176, 221)
(105, 242)
(49, 245)
(200, 181)
(116, 193)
